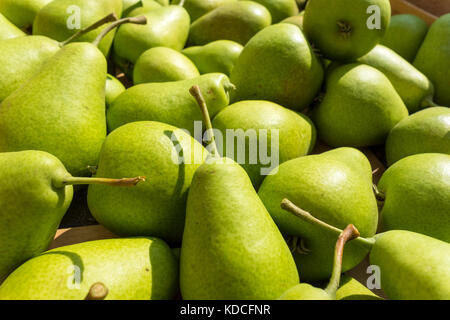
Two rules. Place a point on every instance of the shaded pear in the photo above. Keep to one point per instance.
(280, 9)
(9, 30)
(295, 20)
(197, 8)
(22, 12)
(113, 89)
(352, 289)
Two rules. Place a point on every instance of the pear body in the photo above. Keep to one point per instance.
(359, 109)
(21, 12)
(166, 27)
(340, 28)
(352, 289)
(304, 291)
(280, 9)
(60, 110)
(169, 102)
(426, 131)
(324, 185)
(217, 56)
(128, 4)
(21, 59)
(168, 158)
(270, 133)
(296, 20)
(9, 30)
(278, 65)
(60, 19)
(411, 84)
(413, 266)
(197, 8)
(140, 6)
(417, 195)
(113, 89)
(405, 35)
(31, 207)
(162, 64)
(131, 269)
(231, 248)
(237, 21)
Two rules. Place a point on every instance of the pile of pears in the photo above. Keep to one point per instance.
(128, 104)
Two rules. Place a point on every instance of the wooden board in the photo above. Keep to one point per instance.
(403, 6)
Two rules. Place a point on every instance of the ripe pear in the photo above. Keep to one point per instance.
(412, 266)
(237, 21)
(270, 134)
(326, 185)
(58, 22)
(35, 193)
(359, 108)
(166, 27)
(231, 247)
(345, 30)
(405, 34)
(433, 58)
(295, 20)
(169, 102)
(416, 192)
(278, 65)
(426, 131)
(162, 64)
(22, 12)
(280, 9)
(412, 86)
(217, 56)
(352, 289)
(9, 30)
(128, 269)
(130, 5)
(113, 89)
(168, 158)
(197, 8)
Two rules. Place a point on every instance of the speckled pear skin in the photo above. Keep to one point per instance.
(413, 266)
(113, 89)
(238, 21)
(304, 291)
(280, 9)
(21, 59)
(278, 65)
(426, 131)
(217, 56)
(295, 134)
(411, 84)
(335, 187)
(169, 102)
(197, 8)
(231, 248)
(51, 20)
(405, 35)
(166, 27)
(359, 109)
(322, 21)
(9, 30)
(154, 207)
(31, 207)
(417, 195)
(433, 58)
(131, 269)
(351, 289)
(21, 12)
(60, 110)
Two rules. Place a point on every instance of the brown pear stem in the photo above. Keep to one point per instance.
(379, 195)
(98, 291)
(109, 18)
(115, 24)
(125, 182)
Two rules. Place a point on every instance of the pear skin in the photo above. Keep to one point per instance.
(198, 8)
(280, 9)
(113, 89)
(8, 30)
(21, 12)
(352, 289)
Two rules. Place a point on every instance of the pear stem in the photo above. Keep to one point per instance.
(138, 4)
(308, 217)
(109, 18)
(115, 24)
(379, 195)
(197, 94)
(181, 3)
(125, 182)
(98, 291)
(349, 233)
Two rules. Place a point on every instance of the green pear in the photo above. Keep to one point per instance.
(433, 58)
(168, 158)
(278, 65)
(416, 193)
(9, 30)
(169, 102)
(58, 22)
(166, 27)
(325, 185)
(217, 56)
(141, 6)
(280, 9)
(305, 291)
(405, 34)
(162, 64)
(22, 12)
(231, 248)
(197, 8)
(426, 131)
(35, 193)
(133, 4)
(295, 20)
(359, 108)
(352, 289)
(412, 86)
(113, 89)
(128, 269)
(237, 21)
(345, 30)
(270, 133)
(412, 266)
